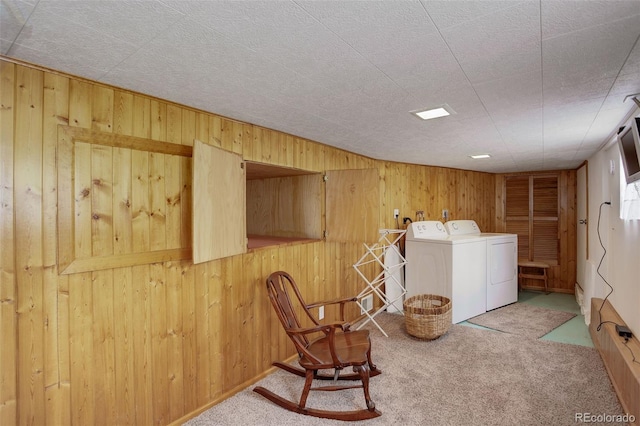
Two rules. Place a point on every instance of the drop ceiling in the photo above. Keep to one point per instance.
(538, 85)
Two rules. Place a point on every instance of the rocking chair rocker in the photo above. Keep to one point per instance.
(338, 348)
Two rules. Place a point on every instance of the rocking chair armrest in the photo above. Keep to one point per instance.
(325, 328)
(342, 302)
(332, 302)
(330, 333)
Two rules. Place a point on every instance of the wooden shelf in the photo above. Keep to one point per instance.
(261, 241)
(618, 359)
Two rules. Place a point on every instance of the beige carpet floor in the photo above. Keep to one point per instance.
(469, 376)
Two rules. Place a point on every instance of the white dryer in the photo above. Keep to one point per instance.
(502, 261)
(451, 266)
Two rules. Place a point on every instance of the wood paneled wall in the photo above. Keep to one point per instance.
(151, 343)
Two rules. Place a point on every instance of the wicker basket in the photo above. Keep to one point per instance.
(427, 316)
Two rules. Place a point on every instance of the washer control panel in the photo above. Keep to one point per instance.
(426, 229)
(462, 227)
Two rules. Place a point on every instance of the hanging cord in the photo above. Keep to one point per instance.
(626, 339)
(633, 356)
(600, 264)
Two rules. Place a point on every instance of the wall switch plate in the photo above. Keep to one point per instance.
(321, 312)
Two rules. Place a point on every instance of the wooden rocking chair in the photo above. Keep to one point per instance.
(337, 348)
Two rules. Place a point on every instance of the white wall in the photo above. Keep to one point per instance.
(621, 239)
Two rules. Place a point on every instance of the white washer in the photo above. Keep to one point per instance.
(451, 266)
(502, 261)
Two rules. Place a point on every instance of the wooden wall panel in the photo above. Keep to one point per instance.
(104, 347)
(173, 323)
(121, 209)
(56, 300)
(352, 200)
(202, 335)
(140, 209)
(29, 244)
(81, 350)
(189, 370)
(142, 355)
(98, 230)
(8, 331)
(149, 344)
(160, 369)
(396, 187)
(123, 329)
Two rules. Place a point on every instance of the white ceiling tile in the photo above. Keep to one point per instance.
(63, 41)
(499, 44)
(4, 46)
(82, 66)
(396, 37)
(13, 17)
(373, 27)
(530, 150)
(605, 124)
(421, 66)
(560, 161)
(562, 17)
(134, 22)
(591, 57)
(519, 137)
(518, 92)
(347, 74)
(632, 64)
(289, 35)
(448, 13)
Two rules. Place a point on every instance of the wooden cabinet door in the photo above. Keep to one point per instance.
(352, 205)
(517, 212)
(532, 210)
(219, 201)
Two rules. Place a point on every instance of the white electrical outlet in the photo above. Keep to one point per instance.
(396, 213)
(366, 304)
(321, 312)
(445, 214)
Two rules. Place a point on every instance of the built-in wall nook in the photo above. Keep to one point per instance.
(283, 205)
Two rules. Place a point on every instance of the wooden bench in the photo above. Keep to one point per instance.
(541, 273)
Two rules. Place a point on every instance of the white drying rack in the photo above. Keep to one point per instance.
(389, 238)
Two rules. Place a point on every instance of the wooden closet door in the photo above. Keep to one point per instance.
(544, 219)
(517, 206)
(532, 210)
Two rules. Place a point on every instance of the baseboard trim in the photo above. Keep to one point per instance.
(618, 360)
(227, 395)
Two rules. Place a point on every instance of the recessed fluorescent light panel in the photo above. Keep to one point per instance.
(428, 114)
(477, 157)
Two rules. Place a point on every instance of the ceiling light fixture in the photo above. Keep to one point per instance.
(476, 157)
(428, 114)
